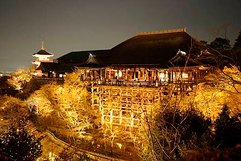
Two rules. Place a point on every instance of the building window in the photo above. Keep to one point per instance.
(162, 77)
(185, 75)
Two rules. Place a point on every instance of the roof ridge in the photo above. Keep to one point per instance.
(163, 31)
(90, 50)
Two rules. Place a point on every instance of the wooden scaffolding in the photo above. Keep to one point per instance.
(127, 105)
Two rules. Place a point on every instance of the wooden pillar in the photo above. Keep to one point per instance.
(126, 71)
(134, 72)
(106, 73)
(145, 74)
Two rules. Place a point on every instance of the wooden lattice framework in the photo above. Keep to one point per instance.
(128, 105)
(124, 99)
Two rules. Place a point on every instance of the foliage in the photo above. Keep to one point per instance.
(228, 82)
(189, 124)
(179, 129)
(166, 134)
(236, 52)
(114, 134)
(66, 155)
(18, 145)
(220, 44)
(65, 108)
(175, 131)
(228, 129)
(208, 100)
(19, 78)
(220, 88)
(30, 87)
(3, 82)
(237, 43)
(13, 111)
(232, 154)
(179, 134)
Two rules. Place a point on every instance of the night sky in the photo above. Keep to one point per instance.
(73, 25)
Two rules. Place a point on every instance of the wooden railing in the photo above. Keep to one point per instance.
(116, 82)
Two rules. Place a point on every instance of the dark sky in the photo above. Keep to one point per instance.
(73, 25)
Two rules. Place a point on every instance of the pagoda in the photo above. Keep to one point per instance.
(42, 56)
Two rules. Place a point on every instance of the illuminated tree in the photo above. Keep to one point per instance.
(177, 128)
(13, 112)
(19, 78)
(228, 81)
(220, 88)
(65, 108)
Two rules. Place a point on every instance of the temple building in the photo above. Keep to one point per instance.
(140, 55)
(138, 73)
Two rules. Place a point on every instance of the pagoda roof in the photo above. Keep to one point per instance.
(43, 52)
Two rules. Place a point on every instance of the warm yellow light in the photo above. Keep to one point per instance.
(119, 145)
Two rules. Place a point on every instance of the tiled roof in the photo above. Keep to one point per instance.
(154, 48)
(161, 49)
(57, 67)
(81, 57)
(42, 52)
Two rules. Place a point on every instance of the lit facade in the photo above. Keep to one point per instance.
(128, 80)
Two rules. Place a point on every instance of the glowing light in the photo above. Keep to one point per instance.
(119, 145)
